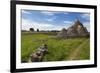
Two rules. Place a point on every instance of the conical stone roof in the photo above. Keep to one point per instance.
(74, 31)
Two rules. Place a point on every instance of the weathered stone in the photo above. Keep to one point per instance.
(62, 33)
(39, 54)
(76, 30)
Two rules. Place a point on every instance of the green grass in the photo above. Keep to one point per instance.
(59, 49)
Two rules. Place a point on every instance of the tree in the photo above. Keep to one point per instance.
(32, 29)
(37, 30)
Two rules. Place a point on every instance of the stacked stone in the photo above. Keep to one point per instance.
(39, 54)
(76, 30)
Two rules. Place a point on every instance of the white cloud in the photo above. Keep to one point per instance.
(51, 13)
(68, 22)
(87, 25)
(86, 16)
(51, 19)
(26, 12)
(66, 13)
(26, 24)
(47, 13)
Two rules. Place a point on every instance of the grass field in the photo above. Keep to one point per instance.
(59, 49)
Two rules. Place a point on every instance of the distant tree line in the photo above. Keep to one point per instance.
(38, 30)
(32, 30)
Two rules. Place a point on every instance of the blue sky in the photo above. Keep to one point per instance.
(52, 20)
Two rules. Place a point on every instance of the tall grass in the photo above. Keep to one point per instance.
(59, 49)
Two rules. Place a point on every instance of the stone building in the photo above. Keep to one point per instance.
(76, 30)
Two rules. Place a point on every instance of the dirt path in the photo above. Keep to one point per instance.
(75, 53)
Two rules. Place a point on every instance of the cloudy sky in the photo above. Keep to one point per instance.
(52, 20)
